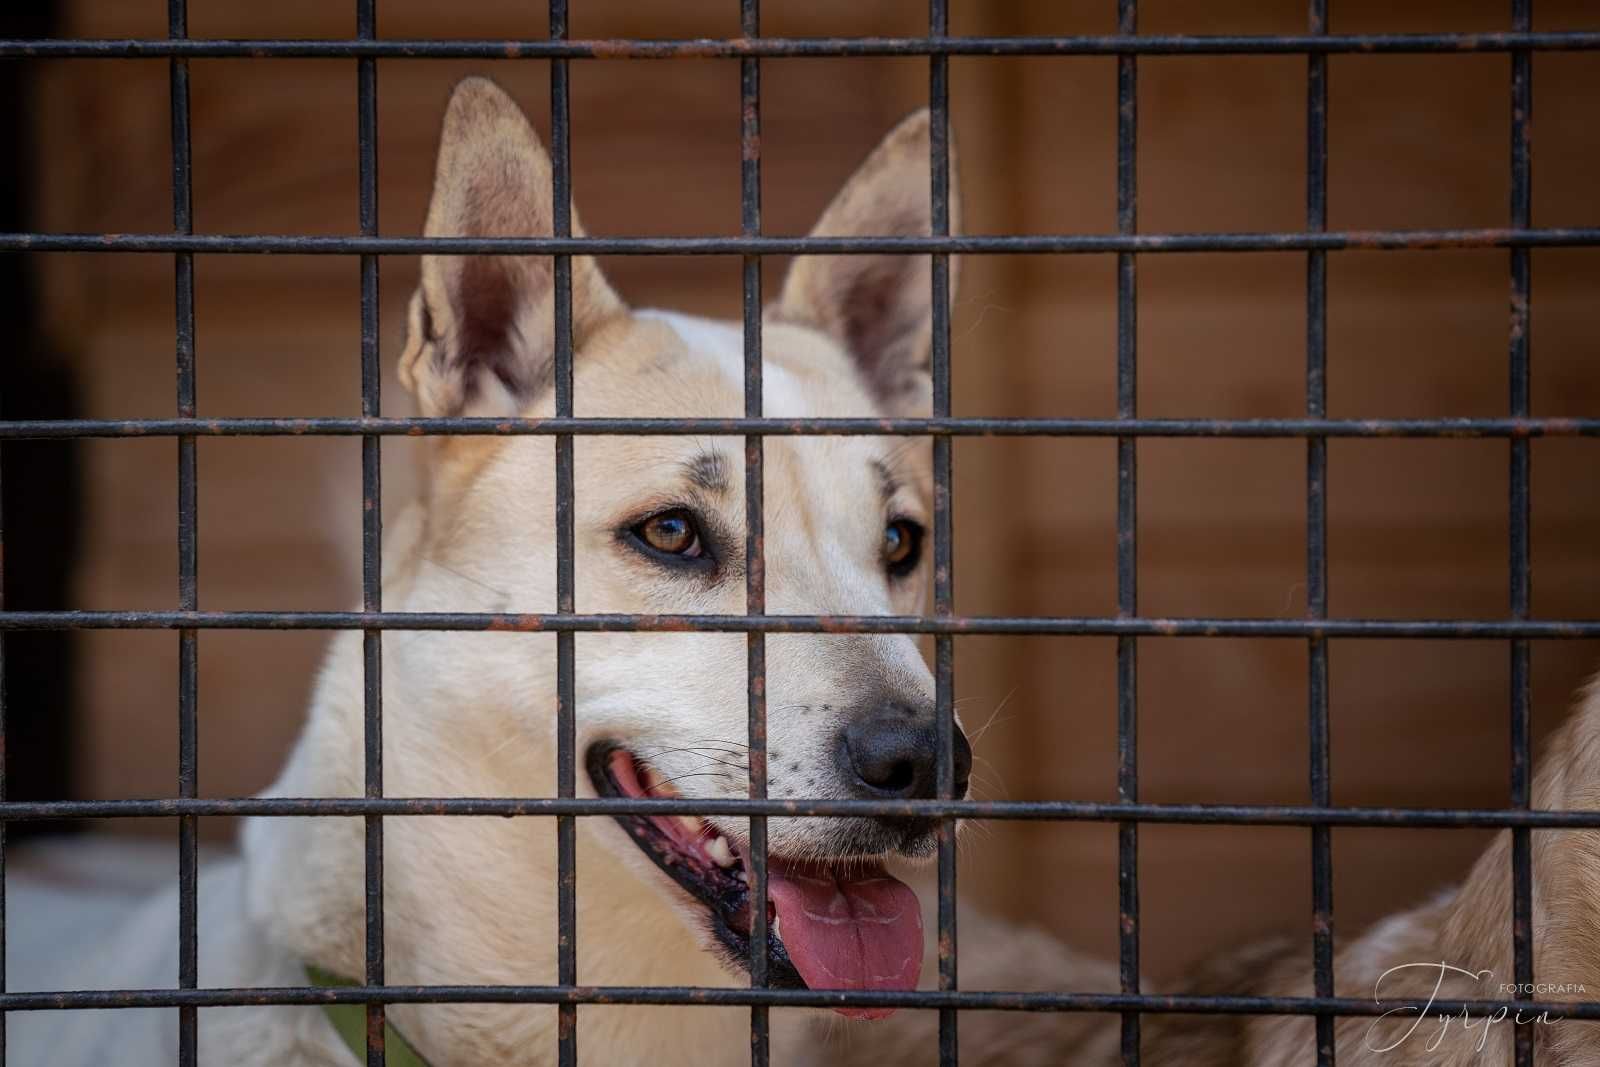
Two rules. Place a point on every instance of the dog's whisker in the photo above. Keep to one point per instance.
(995, 716)
(976, 759)
(696, 747)
(500, 593)
(997, 781)
(978, 834)
(993, 722)
(511, 739)
(728, 751)
(692, 774)
(897, 453)
(697, 752)
(741, 767)
(994, 788)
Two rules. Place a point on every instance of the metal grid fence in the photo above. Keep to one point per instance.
(1316, 629)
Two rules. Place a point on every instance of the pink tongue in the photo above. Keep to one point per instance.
(857, 932)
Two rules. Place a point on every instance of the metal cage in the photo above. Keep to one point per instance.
(1316, 629)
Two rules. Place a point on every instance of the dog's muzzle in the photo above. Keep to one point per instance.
(840, 924)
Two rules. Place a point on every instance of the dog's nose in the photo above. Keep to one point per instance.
(893, 751)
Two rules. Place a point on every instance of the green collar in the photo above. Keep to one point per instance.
(350, 1020)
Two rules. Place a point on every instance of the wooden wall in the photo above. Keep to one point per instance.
(1416, 528)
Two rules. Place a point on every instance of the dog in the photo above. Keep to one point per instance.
(659, 527)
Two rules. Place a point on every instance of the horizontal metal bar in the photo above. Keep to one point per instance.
(1060, 625)
(804, 47)
(1021, 810)
(792, 427)
(972, 1000)
(975, 244)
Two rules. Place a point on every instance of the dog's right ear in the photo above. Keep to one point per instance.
(481, 329)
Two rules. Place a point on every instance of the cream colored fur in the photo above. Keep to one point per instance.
(472, 900)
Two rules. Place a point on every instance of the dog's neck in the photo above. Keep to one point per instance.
(466, 900)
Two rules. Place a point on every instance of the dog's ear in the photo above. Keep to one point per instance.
(481, 329)
(879, 307)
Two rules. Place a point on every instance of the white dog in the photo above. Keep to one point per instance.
(660, 528)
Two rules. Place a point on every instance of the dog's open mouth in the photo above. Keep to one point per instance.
(831, 925)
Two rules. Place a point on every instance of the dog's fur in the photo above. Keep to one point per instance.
(471, 900)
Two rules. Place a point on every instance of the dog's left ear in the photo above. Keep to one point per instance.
(481, 337)
(879, 307)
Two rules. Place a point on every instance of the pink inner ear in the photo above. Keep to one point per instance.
(885, 309)
(878, 307)
(487, 340)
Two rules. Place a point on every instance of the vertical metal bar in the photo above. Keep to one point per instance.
(3, 977)
(1521, 583)
(371, 518)
(755, 519)
(1317, 526)
(188, 555)
(1127, 528)
(943, 527)
(566, 650)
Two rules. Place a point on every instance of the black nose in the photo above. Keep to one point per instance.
(893, 751)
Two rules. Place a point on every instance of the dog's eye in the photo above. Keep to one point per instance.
(672, 533)
(902, 546)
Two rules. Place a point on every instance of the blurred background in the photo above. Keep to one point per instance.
(1416, 528)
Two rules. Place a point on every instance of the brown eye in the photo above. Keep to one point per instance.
(672, 533)
(902, 546)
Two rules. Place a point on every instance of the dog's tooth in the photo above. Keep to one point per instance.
(720, 853)
(777, 924)
(691, 825)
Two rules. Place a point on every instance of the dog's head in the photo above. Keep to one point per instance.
(660, 528)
